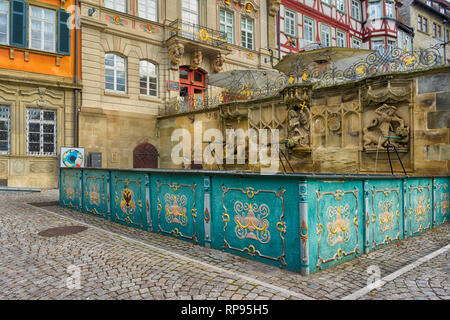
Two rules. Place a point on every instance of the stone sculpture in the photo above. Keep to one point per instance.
(176, 53)
(386, 123)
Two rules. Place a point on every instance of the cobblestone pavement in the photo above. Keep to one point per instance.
(119, 262)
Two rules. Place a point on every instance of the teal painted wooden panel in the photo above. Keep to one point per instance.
(257, 218)
(177, 206)
(96, 192)
(384, 212)
(70, 188)
(418, 209)
(336, 222)
(129, 199)
(441, 200)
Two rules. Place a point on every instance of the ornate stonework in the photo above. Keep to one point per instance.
(385, 122)
(176, 53)
(217, 63)
(196, 60)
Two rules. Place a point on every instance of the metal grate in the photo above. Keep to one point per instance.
(62, 231)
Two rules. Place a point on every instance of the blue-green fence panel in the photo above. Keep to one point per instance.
(96, 192)
(441, 200)
(257, 218)
(129, 204)
(178, 206)
(336, 222)
(383, 216)
(418, 208)
(71, 188)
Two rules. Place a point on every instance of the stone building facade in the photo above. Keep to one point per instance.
(37, 89)
(140, 57)
(430, 20)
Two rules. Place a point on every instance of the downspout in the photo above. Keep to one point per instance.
(278, 35)
(75, 91)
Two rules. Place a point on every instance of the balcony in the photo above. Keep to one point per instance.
(198, 36)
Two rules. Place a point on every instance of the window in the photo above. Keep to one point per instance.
(247, 33)
(326, 1)
(434, 30)
(42, 29)
(375, 9)
(189, 11)
(41, 132)
(226, 24)
(4, 22)
(289, 23)
(340, 39)
(390, 9)
(357, 43)
(308, 29)
(115, 72)
(424, 25)
(442, 10)
(429, 3)
(4, 130)
(356, 9)
(340, 5)
(148, 9)
(148, 73)
(419, 23)
(118, 5)
(325, 35)
(378, 45)
(439, 32)
(391, 44)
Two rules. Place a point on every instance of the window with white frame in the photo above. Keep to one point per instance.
(148, 9)
(226, 24)
(41, 132)
(390, 9)
(247, 33)
(340, 38)
(308, 29)
(4, 22)
(115, 72)
(118, 5)
(340, 5)
(356, 9)
(289, 22)
(148, 73)
(325, 35)
(378, 45)
(5, 130)
(357, 43)
(391, 44)
(375, 9)
(189, 11)
(42, 29)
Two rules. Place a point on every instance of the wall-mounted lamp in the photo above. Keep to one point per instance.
(91, 11)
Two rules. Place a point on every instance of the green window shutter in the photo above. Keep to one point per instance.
(63, 32)
(18, 23)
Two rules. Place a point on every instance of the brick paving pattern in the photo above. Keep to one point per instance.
(119, 262)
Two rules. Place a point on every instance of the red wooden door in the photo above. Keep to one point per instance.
(145, 155)
(192, 86)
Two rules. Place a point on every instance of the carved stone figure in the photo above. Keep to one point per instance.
(386, 123)
(196, 60)
(217, 63)
(176, 53)
(298, 127)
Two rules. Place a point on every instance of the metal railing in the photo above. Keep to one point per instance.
(198, 33)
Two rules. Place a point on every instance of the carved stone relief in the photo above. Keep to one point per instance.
(385, 120)
(176, 53)
(196, 60)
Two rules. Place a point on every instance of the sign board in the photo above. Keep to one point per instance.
(173, 85)
(72, 157)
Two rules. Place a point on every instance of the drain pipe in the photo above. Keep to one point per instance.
(75, 91)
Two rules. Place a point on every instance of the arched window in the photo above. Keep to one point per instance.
(148, 73)
(115, 72)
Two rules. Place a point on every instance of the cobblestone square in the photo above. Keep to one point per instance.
(113, 261)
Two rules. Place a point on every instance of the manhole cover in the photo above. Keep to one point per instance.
(62, 231)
